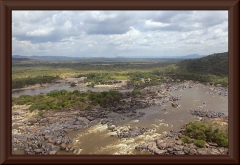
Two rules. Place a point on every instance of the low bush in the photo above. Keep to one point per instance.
(199, 133)
(199, 143)
(186, 139)
(73, 84)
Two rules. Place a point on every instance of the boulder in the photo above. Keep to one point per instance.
(214, 151)
(83, 120)
(161, 144)
(174, 104)
(63, 146)
(104, 122)
(48, 146)
(152, 147)
(15, 113)
(55, 148)
(202, 151)
(179, 142)
(91, 118)
(52, 152)
(111, 127)
(77, 123)
(178, 153)
(38, 150)
(143, 146)
(177, 148)
(223, 150)
(186, 149)
(192, 151)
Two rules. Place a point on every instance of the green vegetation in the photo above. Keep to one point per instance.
(199, 133)
(138, 72)
(212, 69)
(73, 84)
(140, 79)
(216, 64)
(187, 139)
(91, 85)
(136, 91)
(22, 82)
(57, 100)
(199, 143)
(99, 78)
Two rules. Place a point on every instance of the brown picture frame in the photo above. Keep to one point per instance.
(6, 6)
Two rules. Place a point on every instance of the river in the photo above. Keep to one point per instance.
(47, 89)
(97, 138)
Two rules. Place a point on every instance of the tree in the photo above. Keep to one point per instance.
(73, 84)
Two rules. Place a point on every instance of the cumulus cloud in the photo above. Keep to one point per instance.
(119, 33)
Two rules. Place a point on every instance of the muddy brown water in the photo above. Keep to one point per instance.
(96, 139)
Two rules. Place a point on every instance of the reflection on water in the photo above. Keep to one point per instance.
(48, 89)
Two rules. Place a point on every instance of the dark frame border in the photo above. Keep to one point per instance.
(6, 6)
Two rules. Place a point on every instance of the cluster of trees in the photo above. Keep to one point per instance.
(142, 79)
(57, 100)
(23, 82)
(99, 78)
(103, 98)
(199, 133)
(203, 78)
(212, 69)
(216, 64)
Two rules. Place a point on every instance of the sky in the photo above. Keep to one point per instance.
(119, 33)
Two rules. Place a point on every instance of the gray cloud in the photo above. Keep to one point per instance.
(109, 33)
(187, 20)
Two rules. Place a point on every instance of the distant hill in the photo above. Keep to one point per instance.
(54, 58)
(61, 58)
(19, 59)
(19, 56)
(216, 64)
(192, 56)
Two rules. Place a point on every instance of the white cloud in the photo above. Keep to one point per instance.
(40, 32)
(119, 33)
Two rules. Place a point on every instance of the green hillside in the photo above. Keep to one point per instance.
(216, 64)
(210, 69)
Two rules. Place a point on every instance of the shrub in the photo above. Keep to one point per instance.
(73, 84)
(197, 130)
(221, 138)
(186, 139)
(40, 113)
(203, 132)
(136, 91)
(199, 143)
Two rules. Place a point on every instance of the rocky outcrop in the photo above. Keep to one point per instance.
(202, 112)
(172, 144)
(46, 134)
(127, 131)
(174, 104)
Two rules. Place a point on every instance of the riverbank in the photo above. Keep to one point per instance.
(135, 118)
